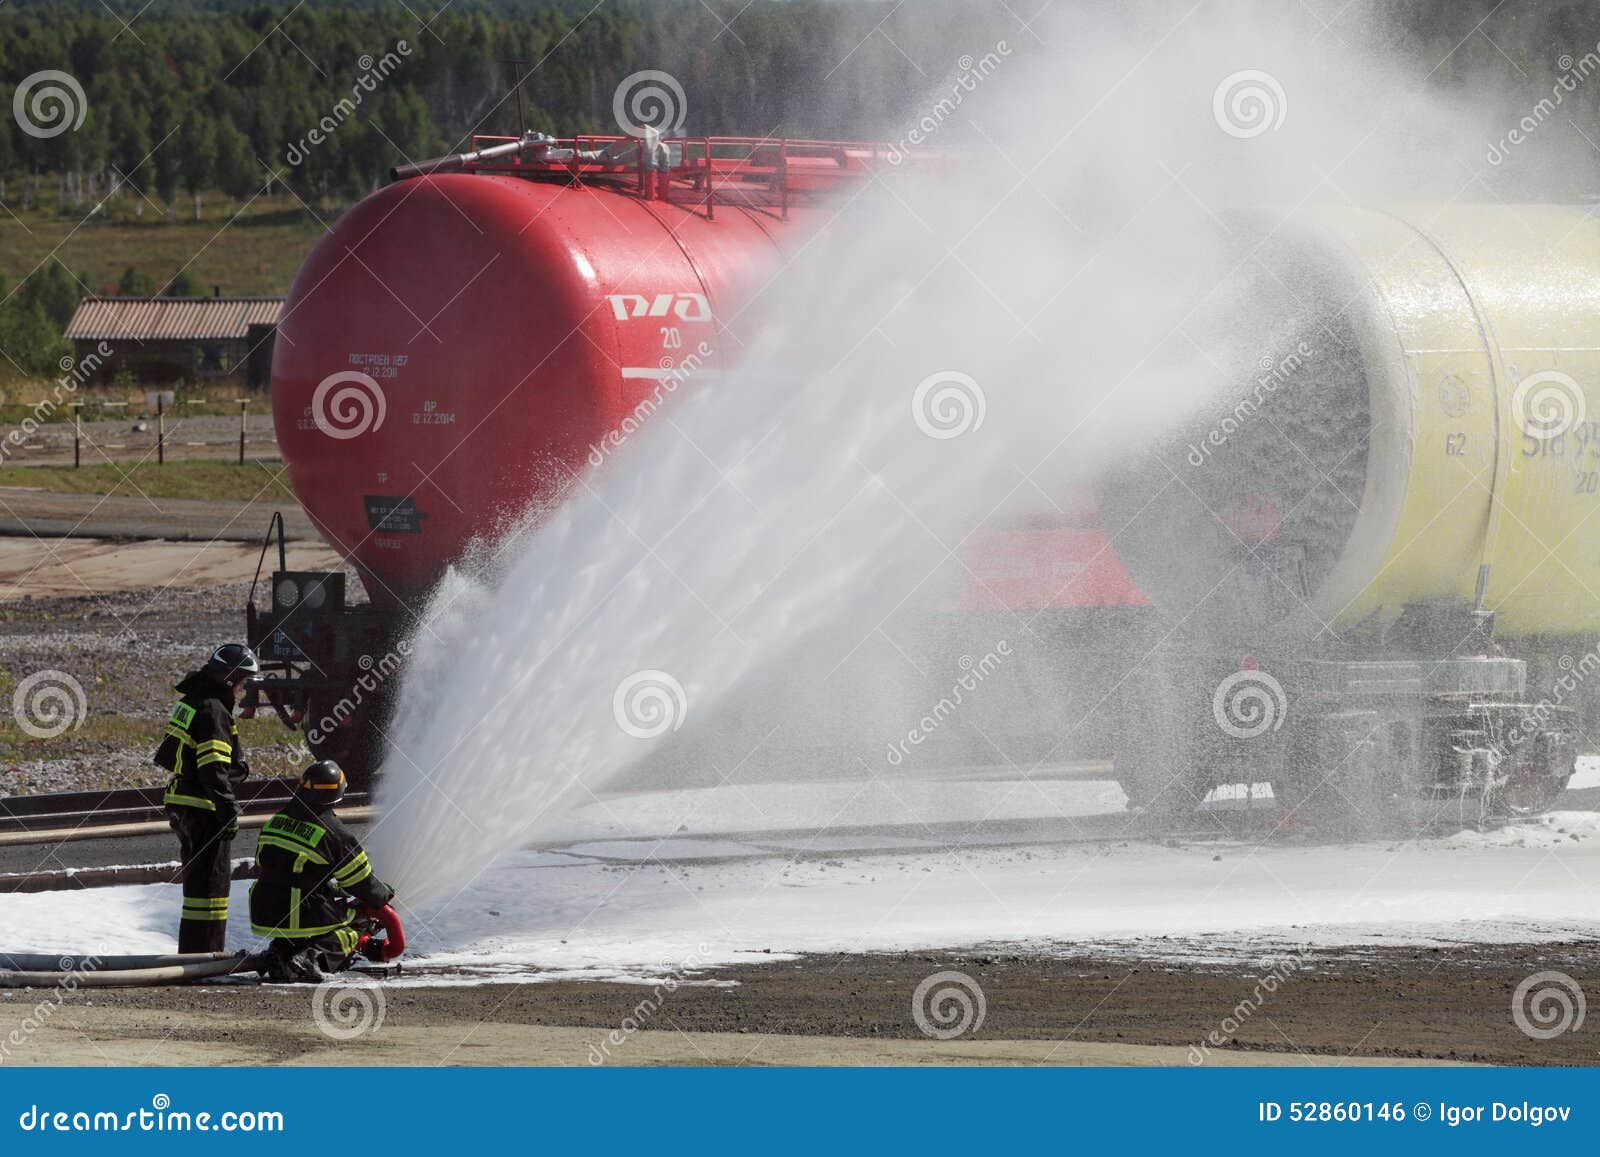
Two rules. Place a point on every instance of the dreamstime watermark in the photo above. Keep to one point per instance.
(374, 674)
(48, 704)
(1547, 1004)
(674, 373)
(649, 703)
(972, 72)
(348, 1006)
(347, 404)
(373, 73)
(650, 102)
(49, 103)
(1573, 74)
(948, 404)
(74, 968)
(640, 1016)
(156, 1119)
(1248, 103)
(949, 1004)
(1536, 718)
(74, 373)
(976, 671)
(1279, 971)
(1273, 375)
(1249, 703)
(1548, 403)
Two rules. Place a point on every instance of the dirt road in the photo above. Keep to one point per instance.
(40, 568)
(34, 514)
(1404, 1006)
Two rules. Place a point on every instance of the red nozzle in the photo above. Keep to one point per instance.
(394, 933)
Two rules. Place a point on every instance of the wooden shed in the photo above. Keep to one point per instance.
(172, 338)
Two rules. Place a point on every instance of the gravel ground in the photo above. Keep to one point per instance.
(1452, 1005)
(125, 650)
(121, 438)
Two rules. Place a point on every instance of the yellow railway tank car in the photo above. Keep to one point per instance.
(1375, 546)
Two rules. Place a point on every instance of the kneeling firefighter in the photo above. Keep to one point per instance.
(202, 751)
(312, 869)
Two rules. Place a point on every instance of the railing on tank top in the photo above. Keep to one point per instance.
(699, 172)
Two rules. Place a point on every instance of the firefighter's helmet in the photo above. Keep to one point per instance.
(322, 784)
(232, 662)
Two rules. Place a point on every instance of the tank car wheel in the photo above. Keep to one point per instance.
(1342, 778)
(1166, 802)
(1156, 770)
(1539, 772)
(1319, 806)
(357, 746)
(1530, 795)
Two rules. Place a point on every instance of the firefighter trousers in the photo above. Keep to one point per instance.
(330, 952)
(207, 870)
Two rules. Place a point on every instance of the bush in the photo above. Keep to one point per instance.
(186, 284)
(32, 320)
(135, 283)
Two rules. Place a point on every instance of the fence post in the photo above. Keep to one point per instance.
(161, 429)
(77, 435)
(244, 405)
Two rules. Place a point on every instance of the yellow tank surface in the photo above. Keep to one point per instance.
(1422, 426)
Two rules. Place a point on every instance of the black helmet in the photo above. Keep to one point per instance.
(322, 784)
(231, 662)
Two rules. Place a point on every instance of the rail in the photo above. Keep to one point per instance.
(698, 172)
(95, 809)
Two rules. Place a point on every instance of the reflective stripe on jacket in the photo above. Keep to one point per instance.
(200, 746)
(309, 864)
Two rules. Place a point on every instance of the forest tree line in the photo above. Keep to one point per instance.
(182, 98)
(189, 95)
(193, 97)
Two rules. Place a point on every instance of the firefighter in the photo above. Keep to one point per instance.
(202, 751)
(311, 870)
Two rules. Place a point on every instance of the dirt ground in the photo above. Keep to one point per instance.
(34, 517)
(94, 566)
(1448, 1006)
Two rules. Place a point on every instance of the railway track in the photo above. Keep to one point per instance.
(121, 837)
(87, 812)
(130, 859)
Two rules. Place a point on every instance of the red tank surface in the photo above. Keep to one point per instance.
(462, 343)
(456, 348)
(459, 342)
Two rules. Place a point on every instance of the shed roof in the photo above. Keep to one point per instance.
(169, 318)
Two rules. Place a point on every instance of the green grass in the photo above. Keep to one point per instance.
(255, 254)
(226, 481)
(131, 731)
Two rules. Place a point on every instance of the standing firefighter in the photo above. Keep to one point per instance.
(312, 869)
(201, 749)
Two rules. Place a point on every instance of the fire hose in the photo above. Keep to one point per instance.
(382, 941)
(43, 970)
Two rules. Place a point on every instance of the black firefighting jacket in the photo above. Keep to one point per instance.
(310, 867)
(201, 748)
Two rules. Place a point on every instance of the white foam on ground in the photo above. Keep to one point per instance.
(1587, 773)
(549, 915)
(840, 804)
(1523, 883)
